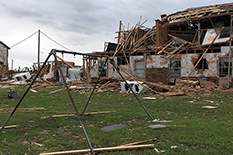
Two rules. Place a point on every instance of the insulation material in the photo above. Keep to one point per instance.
(225, 50)
(50, 74)
(187, 64)
(210, 35)
(101, 62)
(94, 70)
(64, 72)
(3, 54)
(188, 61)
(156, 61)
(211, 59)
(114, 74)
(74, 74)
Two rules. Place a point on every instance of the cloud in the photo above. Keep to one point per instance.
(81, 25)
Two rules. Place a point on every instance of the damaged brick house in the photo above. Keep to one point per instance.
(3, 60)
(194, 43)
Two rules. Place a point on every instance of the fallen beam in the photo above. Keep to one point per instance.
(57, 90)
(144, 141)
(166, 87)
(11, 126)
(90, 113)
(101, 149)
(33, 90)
(21, 109)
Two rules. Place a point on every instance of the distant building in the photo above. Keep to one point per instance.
(3, 60)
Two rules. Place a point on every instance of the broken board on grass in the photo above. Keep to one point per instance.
(113, 127)
(157, 126)
(209, 107)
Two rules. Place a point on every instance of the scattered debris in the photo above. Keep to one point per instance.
(149, 98)
(161, 121)
(209, 107)
(33, 90)
(22, 76)
(162, 151)
(13, 94)
(157, 126)
(176, 125)
(173, 147)
(11, 126)
(144, 141)
(188, 87)
(89, 113)
(102, 149)
(38, 144)
(112, 127)
(21, 109)
(57, 90)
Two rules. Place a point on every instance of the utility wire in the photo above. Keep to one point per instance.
(45, 36)
(55, 41)
(24, 39)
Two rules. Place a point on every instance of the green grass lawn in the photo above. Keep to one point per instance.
(193, 130)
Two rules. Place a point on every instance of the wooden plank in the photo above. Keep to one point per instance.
(127, 38)
(179, 52)
(144, 141)
(101, 149)
(11, 126)
(179, 39)
(103, 86)
(90, 113)
(166, 87)
(33, 90)
(176, 50)
(172, 94)
(166, 46)
(138, 43)
(64, 61)
(21, 109)
(128, 64)
(57, 90)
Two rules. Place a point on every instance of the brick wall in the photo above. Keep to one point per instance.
(157, 75)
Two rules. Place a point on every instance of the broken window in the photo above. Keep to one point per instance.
(225, 33)
(202, 64)
(100, 65)
(140, 69)
(223, 67)
(175, 68)
(122, 60)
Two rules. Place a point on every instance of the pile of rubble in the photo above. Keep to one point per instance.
(188, 87)
(104, 84)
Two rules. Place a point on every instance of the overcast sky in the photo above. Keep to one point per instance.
(80, 25)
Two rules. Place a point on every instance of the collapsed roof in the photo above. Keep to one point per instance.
(199, 13)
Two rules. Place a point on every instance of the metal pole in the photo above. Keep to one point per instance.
(38, 48)
(21, 99)
(96, 83)
(117, 69)
(75, 108)
(12, 68)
